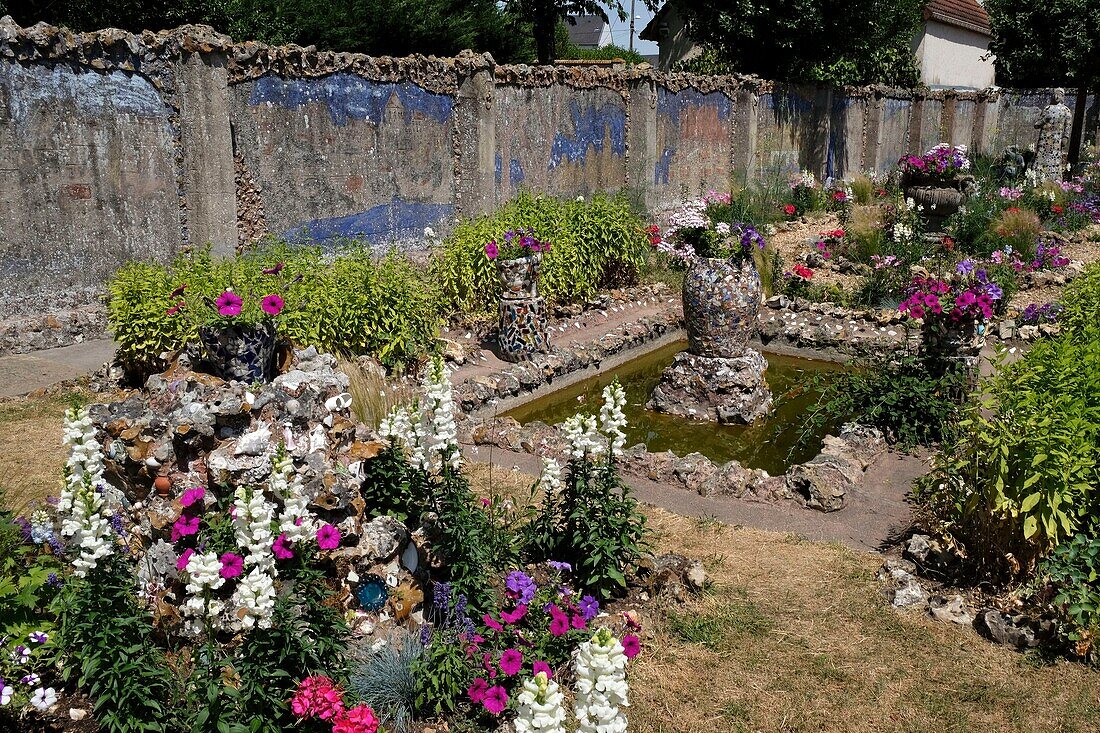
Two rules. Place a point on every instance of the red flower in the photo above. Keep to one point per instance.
(803, 272)
(790, 209)
(948, 244)
(1057, 209)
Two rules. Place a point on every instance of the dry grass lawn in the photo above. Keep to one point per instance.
(793, 635)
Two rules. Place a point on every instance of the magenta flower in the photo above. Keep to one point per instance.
(178, 291)
(631, 646)
(541, 666)
(275, 270)
(281, 549)
(191, 496)
(511, 662)
(229, 304)
(559, 621)
(184, 526)
(232, 565)
(175, 309)
(477, 690)
(328, 537)
(181, 563)
(579, 621)
(272, 304)
(514, 616)
(492, 623)
(496, 699)
(491, 250)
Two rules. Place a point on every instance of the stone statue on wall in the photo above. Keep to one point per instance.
(1054, 126)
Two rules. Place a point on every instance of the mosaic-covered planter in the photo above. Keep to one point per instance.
(954, 346)
(940, 199)
(243, 353)
(721, 302)
(519, 278)
(523, 329)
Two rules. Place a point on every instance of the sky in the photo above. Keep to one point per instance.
(620, 29)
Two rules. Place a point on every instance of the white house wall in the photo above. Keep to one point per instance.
(954, 57)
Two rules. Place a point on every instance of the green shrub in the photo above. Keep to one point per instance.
(593, 243)
(354, 303)
(970, 227)
(1072, 573)
(1081, 299)
(1024, 473)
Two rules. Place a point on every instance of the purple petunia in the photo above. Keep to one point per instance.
(520, 587)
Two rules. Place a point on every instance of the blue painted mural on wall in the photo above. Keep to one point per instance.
(515, 172)
(663, 165)
(350, 97)
(498, 164)
(593, 126)
(836, 152)
(379, 225)
(92, 94)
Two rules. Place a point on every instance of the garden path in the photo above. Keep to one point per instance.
(876, 514)
(24, 373)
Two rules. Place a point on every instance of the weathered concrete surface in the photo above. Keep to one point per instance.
(25, 373)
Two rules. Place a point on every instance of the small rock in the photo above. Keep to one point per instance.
(909, 594)
(77, 714)
(695, 576)
(951, 610)
(1011, 630)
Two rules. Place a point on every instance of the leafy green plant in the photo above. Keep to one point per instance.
(28, 579)
(593, 243)
(903, 396)
(1072, 572)
(110, 653)
(1024, 472)
(1081, 300)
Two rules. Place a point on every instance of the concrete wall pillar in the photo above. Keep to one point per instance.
(210, 199)
(476, 144)
(743, 146)
(641, 143)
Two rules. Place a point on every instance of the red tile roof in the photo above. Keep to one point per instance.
(968, 14)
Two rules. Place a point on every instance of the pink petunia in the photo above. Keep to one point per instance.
(281, 548)
(579, 621)
(272, 304)
(184, 527)
(559, 621)
(492, 623)
(477, 690)
(496, 700)
(274, 270)
(511, 662)
(192, 496)
(232, 565)
(181, 563)
(328, 537)
(491, 250)
(541, 666)
(631, 646)
(229, 304)
(514, 616)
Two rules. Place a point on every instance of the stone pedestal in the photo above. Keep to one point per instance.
(523, 329)
(714, 389)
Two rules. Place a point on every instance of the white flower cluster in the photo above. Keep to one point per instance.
(295, 521)
(540, 706)
(804, 178)
(427, 431)
(82, 506)
(902, 232)
(722, 228)
(255, 596)
(612, 419)
(601, 691)
(583, 436)
(692, 214)
(550, 480)
(252, 518)
(203, 576)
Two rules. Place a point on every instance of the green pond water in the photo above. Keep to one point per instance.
(772, 443)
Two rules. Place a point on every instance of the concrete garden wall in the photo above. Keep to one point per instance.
(116, 146)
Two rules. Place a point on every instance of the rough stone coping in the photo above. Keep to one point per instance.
(822, 483)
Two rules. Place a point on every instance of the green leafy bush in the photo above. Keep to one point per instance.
(353, 304)
(1081, 299)
(593, 243)
(912, 402)
(1024, 473)
(1072, 574)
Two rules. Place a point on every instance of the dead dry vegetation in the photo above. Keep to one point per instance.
(791, 636)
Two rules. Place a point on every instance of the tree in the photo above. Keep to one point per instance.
(828, 41)
(546, 15)
(1054, 43)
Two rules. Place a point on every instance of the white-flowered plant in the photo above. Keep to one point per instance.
(583, 435)
(427, 430)
(255, 596)
(85, 461)
(612, 419)
(82, 507)
(203, 576)
(295, 521)
(540, 706)
(601, 689)
(550, 480)
(252, 519)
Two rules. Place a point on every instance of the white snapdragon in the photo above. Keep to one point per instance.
(203, 575)
(252, 518)
(295, 521)
(85, 456)
(583, 436)
(612, 419)
(428, 431)
(550, 480)
(540, 706)
(601, 691)
(255, 596)
(902, 232)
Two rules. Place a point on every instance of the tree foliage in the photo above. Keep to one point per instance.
(828, 41)
(545, 16)
(1053, 43)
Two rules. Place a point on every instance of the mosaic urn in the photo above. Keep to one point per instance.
(245, 353)
(519, 277)
(938, 199)
(721, 302)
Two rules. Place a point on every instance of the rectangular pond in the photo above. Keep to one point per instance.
(772, 443)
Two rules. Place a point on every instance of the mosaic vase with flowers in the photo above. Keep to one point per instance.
(519, 277)
(722, 299)
(937, 181)
(522, 323)
(242, 352)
